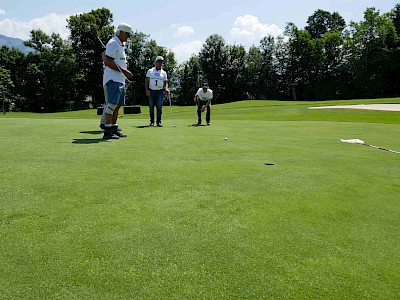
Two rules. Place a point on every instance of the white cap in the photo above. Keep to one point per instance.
(159, 58)
(125, 28)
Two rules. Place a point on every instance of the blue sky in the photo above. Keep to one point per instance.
(182, 25)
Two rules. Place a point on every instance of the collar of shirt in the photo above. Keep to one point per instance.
(118, 40)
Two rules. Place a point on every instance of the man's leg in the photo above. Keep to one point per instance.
(115, 114)
(120, 101)
(160, 100)
(199, 105)
(103, 116)
(111, 110)
(108, 129)
(151, 108)
(116, 129)
(208, 115)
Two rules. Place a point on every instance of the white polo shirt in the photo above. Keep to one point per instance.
(205, 96)
(115, 49)
(157, 78)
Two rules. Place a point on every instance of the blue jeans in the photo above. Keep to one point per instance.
(208, 112)
(156, 98)
(115, 92)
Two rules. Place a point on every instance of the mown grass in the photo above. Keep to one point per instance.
(281, 209)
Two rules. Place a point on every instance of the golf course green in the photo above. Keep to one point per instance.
(266, 203)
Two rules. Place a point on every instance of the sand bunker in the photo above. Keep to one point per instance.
(390, 107)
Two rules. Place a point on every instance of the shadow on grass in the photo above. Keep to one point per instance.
(142, 126)
(92, 132)
(196, 125)
(88, 141)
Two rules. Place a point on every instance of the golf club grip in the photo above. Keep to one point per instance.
(380, 148)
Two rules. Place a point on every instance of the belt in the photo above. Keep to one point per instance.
(156, 90)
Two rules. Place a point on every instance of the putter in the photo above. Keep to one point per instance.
(195, 111)
(357, 141)
(172, 112)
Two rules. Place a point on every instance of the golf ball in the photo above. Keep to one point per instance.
(174, 125)
(226, 139)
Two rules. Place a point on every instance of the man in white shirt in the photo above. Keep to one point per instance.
(156, 84)
(203, 99)
(114, 77)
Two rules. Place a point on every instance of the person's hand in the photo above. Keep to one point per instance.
(203, 108)
(167, 91)
(195, 99)
(128, 73)
(147, 93)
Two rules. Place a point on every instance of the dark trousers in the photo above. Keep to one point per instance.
(208, 113)
(156, 99)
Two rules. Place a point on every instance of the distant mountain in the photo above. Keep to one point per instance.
(14, 43)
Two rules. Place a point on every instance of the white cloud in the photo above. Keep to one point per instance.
(51, 23)
(247, 30)
(184, 51)
(2, 12)
(184, 31)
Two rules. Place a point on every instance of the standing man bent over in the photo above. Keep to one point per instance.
(203, 99)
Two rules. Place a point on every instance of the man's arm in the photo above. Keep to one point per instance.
(103, 57)
(147, 86)
(109, 62)
(166, 87)
(209, 100)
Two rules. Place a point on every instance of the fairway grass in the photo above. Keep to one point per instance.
(280, 210)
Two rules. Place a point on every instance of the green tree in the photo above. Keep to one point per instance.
(190, 79)
(253, 73)
(326, 30)
(33, 89)
(371, 48)
(137, 65)
(394, 70)
(305, 62)
(334, 63)
(234, 84)
(395, 16)
(285, 88)
(268, 63)
(6, 86)
(85, 30)
(50, 79)
(321, 22)
(213, 59)
(14, 61)
(38, 40)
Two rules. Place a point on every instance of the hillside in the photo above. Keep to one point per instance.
(14, 43)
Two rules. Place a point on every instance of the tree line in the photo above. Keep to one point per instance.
(328, 59)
